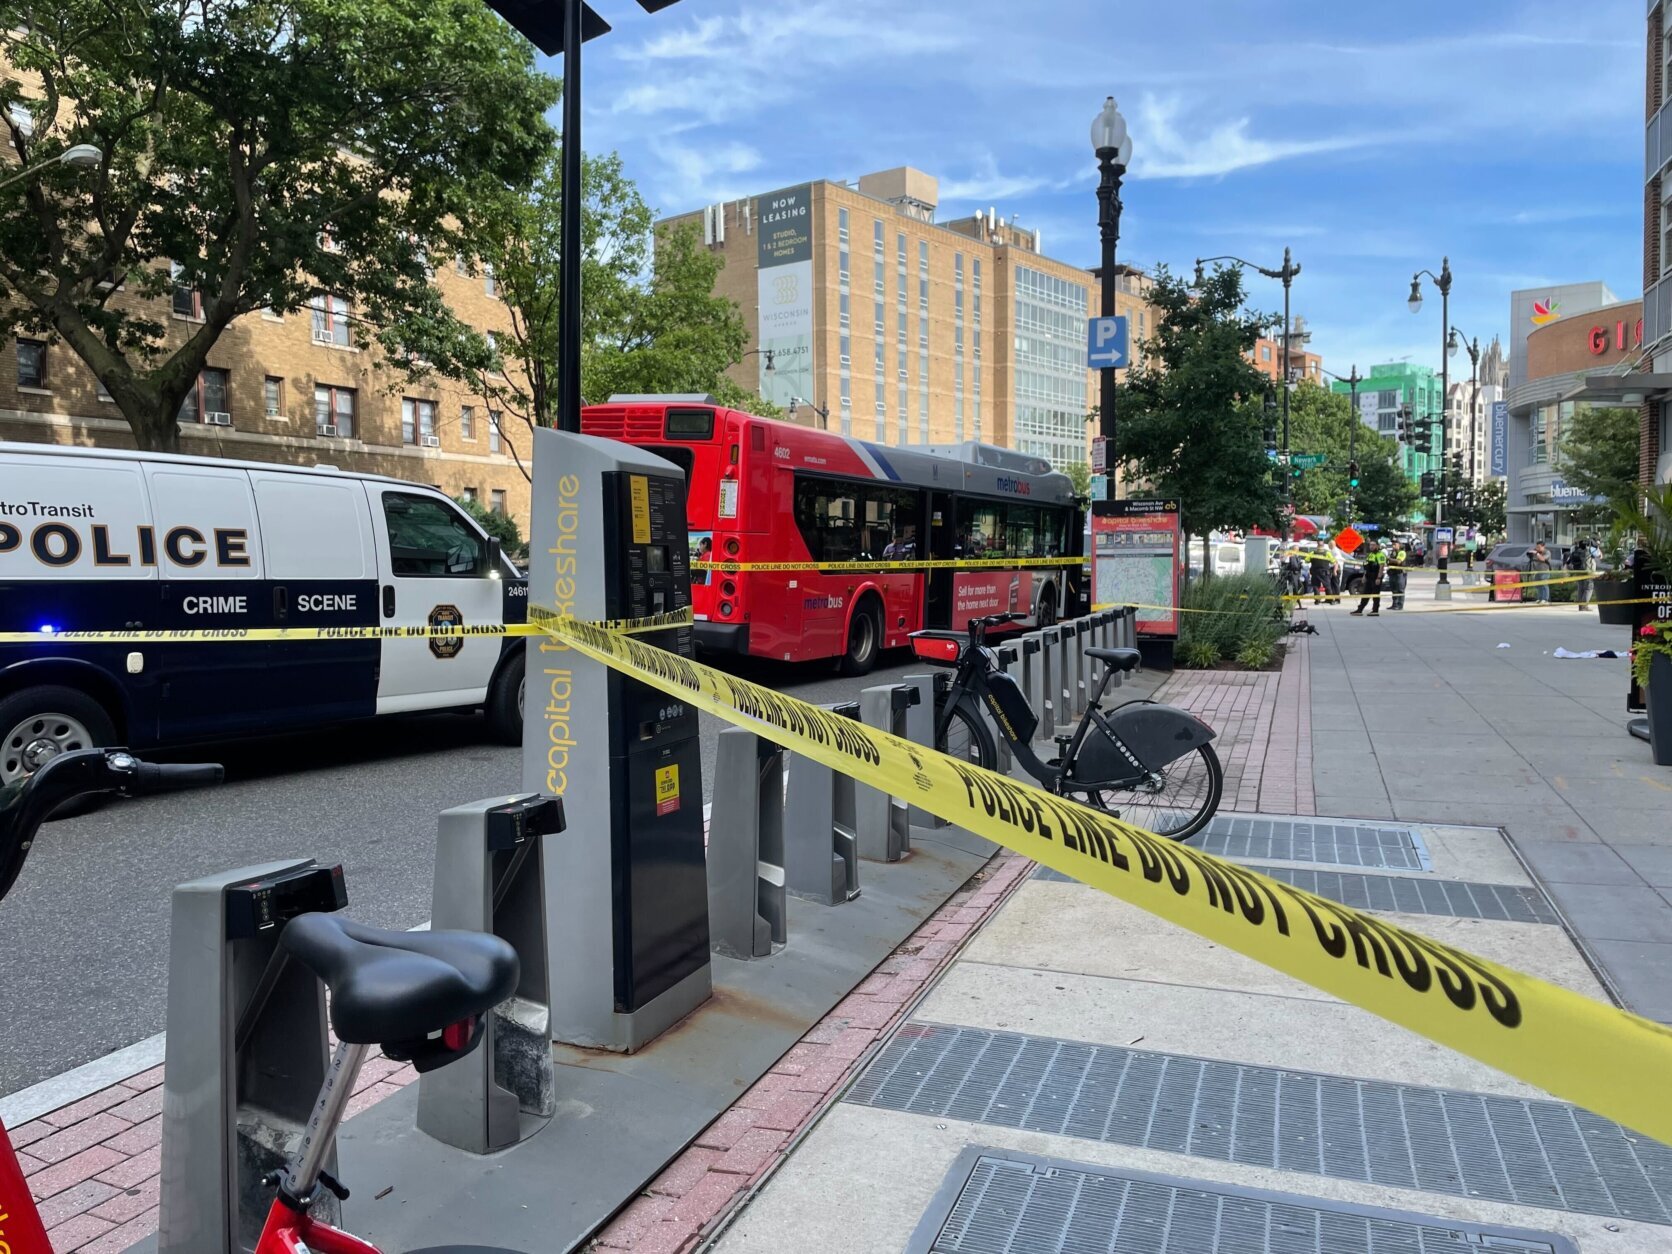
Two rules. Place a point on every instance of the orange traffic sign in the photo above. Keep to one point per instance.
(1348, 540)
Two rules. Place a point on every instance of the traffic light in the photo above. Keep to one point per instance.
(1405, 431)
(1427, 485)
(1425, 439)
(1352, 475)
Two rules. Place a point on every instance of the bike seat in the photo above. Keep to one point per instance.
(1121, 660)
(391, 986)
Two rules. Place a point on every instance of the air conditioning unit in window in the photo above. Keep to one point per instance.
(432, 441)
(218, 418)
(328, 429)
(321, 335)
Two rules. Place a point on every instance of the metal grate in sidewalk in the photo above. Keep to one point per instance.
(1530, 1152)
(997, 1202)
(1334, 842)
(1401, 894)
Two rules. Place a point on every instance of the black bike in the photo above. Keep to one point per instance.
(1144, 762)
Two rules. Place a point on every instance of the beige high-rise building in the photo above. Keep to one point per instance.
(910, 331)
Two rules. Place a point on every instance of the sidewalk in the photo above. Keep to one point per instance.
(1423, 716)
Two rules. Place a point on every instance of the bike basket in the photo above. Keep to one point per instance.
(941, 650)
(1005, 699)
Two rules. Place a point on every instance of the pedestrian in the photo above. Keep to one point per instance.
(1374, 562)
(1582, 560)
(1397, 567)
(1538, 572)
(1320, 569)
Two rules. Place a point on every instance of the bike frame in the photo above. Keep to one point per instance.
(969, 684)
(21, 1230)
(289, 1228)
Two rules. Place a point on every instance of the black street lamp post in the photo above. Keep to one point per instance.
(1472, 347)
(1113, 146)
(1442, 281)
(549, 28)
(1286, 273)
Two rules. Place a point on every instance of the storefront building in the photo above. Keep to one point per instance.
(1567, 363)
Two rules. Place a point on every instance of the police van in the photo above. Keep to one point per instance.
(105, 540)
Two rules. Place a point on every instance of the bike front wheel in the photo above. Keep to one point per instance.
(1177, 805)
(967, 739)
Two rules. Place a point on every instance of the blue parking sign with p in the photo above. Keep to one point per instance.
(1105, 342)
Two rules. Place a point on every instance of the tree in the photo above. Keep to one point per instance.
(501, 527)
(1321, 421)
(650, 321)
(266, 152)
(1079, 474)
(1487, 509)
(1190, 417)
(1599, 456)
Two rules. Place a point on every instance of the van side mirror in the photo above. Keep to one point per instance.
(496, 562)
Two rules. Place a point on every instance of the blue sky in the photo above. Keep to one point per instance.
(1372, 138)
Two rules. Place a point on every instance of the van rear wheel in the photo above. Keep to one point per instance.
(39, 724)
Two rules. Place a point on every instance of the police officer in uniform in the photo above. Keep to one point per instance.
(1375, 562)
(1396, 574)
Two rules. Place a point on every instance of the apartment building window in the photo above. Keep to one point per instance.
(923, 277)
(272, 396)
(31, 364)
(334, 411)
(467, 422)
(467, 494)
(493, 431)
(843, 308)
(208, 400)
(496, 501)
(330, 320)
(418, 422)
(490, 285)
(188, 301)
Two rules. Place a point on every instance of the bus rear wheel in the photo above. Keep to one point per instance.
(864, 639)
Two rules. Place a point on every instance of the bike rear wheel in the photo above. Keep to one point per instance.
(1179, 806)
(967, 739)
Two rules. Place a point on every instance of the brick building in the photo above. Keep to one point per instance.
(294, 390)
(1652, 385)
(907, 330)
(1267, 356)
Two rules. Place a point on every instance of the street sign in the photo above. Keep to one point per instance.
(1308, 461)
(1348, 540)
(1106, 343)
(1099, 456)
(1282, 459)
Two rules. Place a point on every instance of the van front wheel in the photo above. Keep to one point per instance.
(505, 702)
(39, 724)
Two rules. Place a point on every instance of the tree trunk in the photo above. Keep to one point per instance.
(153, 436)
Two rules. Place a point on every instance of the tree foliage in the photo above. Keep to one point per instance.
(1599, 456)
(501, 527)
(1189, 419)
(1079, 474)
(1321, 421)
(272, 151)
(650, 321)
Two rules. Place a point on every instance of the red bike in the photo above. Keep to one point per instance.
(421, 996)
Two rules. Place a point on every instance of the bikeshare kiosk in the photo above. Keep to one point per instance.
(626, 886)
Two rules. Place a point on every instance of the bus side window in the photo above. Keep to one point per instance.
(827, 516)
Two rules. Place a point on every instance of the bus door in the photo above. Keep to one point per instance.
(942, 542)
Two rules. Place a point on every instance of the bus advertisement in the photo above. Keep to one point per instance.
(824, 546)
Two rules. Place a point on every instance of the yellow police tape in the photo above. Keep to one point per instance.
(938, 563)
(1603, 1059)
(233, 635)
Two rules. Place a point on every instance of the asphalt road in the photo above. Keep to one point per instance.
(85, 933)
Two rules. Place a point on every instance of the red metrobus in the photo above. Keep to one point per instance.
(765, 491)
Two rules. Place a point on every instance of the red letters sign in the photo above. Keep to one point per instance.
(1604, 338)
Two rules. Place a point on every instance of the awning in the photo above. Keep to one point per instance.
(1632, 388)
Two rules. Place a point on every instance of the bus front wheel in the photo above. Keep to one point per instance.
(864, 638)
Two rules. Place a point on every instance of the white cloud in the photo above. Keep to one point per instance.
(986, 183)
(688, 176)
(784, 39)
(1162, 150)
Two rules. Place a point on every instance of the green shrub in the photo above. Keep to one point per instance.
(1196, 655)
(1255, 654)
(1230, 614)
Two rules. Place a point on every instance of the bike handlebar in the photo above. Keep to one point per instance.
(27, 803)
(978, 626)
